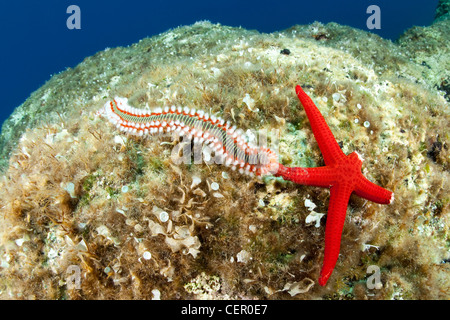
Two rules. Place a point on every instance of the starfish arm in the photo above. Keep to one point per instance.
(339, 196)
(370, 191)
(319, 176)
(330, 149)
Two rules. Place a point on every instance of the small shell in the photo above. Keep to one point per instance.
(243, 256)
(249, 102)
(70, 188)
(195, 181)
(215, 186)
(199, 192)
(156, 294)
(147, 255)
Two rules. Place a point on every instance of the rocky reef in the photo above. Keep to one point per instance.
(79, 198)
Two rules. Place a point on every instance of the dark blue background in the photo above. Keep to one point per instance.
(36, 42)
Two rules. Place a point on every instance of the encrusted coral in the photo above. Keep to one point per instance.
(77, 192)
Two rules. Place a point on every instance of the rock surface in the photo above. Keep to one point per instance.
(78, 196)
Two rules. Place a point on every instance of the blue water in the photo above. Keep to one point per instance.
(36, 42)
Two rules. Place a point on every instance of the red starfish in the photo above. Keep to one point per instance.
(341, 173)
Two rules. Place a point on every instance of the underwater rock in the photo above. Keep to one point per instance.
(442, 10)
(79, 195)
